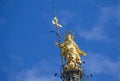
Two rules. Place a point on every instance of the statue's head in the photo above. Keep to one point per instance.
(69, 35)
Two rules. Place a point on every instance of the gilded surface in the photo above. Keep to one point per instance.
(70, 51)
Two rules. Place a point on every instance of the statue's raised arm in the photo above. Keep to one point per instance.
(78, 50)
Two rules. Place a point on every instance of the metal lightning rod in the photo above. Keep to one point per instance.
(58, 26)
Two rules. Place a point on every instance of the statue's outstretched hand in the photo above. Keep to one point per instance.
(56, 43)
(59, 45)
(84, 54)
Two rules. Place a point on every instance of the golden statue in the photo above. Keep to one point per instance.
(70, 51)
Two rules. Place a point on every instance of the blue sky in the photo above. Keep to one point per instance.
(27, 50)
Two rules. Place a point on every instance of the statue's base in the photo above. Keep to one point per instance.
(72, 75)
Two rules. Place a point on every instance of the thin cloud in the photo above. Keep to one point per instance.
(32, 75)
(95, 33)
(106, 15)
(110, 13)
(101, 64)
(43, 71)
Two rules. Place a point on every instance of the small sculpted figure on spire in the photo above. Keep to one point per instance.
(70, 51)
(71, 69)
